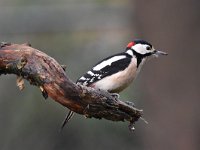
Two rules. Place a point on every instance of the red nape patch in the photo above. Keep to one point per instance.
(130, 44)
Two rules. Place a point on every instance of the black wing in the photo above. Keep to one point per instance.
(94, 75)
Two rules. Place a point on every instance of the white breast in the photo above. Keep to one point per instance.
(119, 81)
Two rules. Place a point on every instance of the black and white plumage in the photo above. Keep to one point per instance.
(115, 73)
(104, 70)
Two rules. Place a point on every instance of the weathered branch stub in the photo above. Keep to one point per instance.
(46, 73)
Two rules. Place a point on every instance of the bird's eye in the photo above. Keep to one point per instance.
(148, 48)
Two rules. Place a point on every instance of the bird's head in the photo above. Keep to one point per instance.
(143, 49)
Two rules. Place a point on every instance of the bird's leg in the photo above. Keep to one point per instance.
(130, 103)
(115, 95)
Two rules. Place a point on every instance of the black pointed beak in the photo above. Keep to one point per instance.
(158, 53)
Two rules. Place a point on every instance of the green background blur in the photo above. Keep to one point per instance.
(79, 33)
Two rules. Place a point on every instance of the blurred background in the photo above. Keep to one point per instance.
(78, 33)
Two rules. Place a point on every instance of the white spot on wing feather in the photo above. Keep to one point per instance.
(82, 78)
(91, 73)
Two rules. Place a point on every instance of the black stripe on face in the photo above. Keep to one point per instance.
(140, 57)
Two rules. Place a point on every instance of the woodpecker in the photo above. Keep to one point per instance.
(115, 73)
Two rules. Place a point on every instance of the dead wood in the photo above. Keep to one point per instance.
(46, 73)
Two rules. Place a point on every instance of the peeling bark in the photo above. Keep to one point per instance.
(46, 73)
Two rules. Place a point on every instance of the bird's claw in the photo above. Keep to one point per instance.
(115, 95)
(130, 103)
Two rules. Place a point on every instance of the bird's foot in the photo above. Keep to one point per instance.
(130, 103)
(115, 95)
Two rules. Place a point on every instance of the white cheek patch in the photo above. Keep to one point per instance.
(140, 48)
(108, 62)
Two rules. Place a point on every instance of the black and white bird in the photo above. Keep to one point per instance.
(115, 73)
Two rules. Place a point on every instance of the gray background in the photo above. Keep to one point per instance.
(78, 33)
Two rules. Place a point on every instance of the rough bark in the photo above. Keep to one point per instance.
(46, 73)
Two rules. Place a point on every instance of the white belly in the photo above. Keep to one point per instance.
(119, 81)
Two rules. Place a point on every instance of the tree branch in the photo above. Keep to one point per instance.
(45, 72)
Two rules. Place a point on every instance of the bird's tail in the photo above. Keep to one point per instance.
(67, 118)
